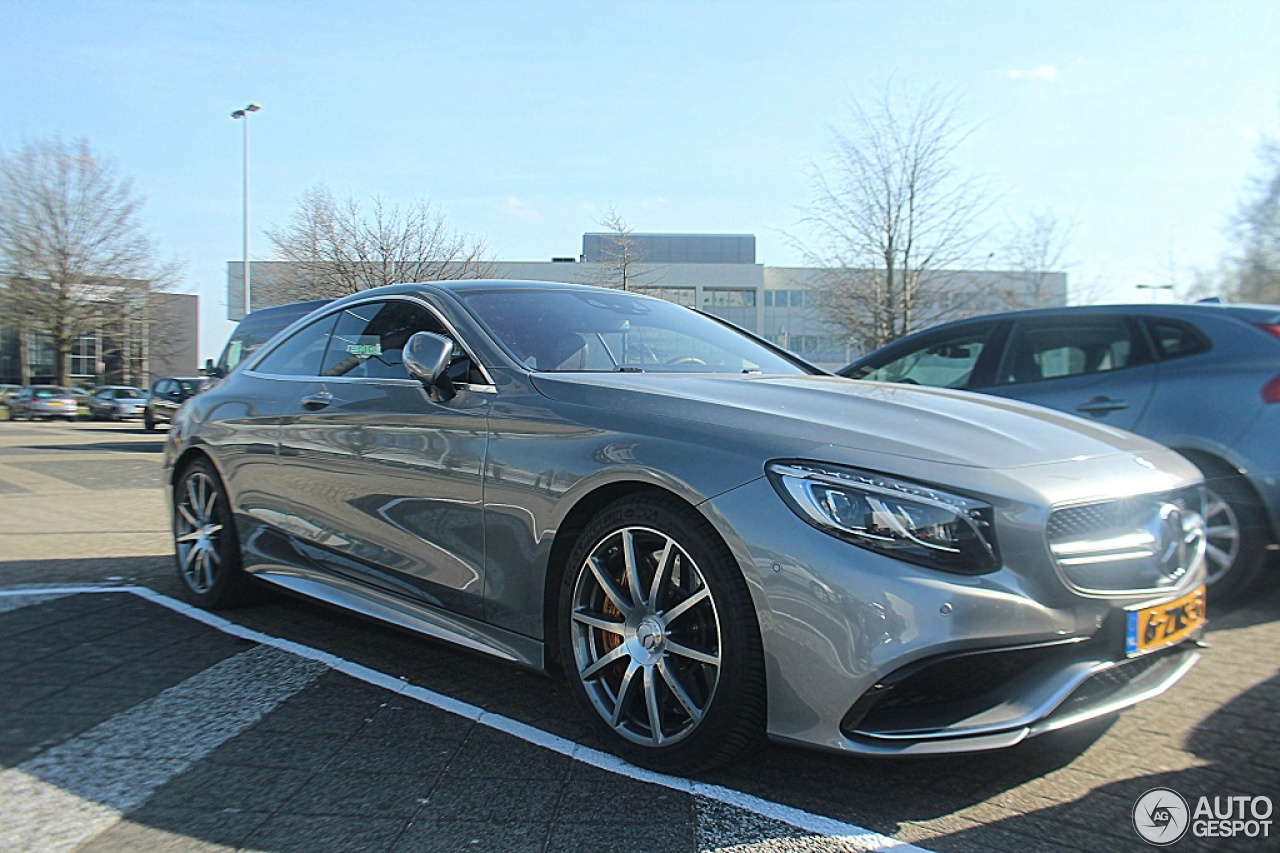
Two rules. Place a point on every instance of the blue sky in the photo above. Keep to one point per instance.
(525, 121)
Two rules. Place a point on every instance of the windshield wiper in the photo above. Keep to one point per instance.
(628, 369)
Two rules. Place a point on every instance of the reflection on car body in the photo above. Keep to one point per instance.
(712, 540)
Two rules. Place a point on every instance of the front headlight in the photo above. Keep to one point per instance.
(905, 520)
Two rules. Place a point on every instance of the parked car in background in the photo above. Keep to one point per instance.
(7, 391)
(117, 402)
(1203, 379)
(167, 396)
(43, 401)
(255, 330)
(711, 539)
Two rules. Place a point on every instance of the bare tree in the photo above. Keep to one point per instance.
(1034, 254)
(340, 247)
(623, 264)
(889, 213)
(1255, 267)
(72, 242)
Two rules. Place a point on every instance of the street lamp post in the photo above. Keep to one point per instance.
(1153, 288)
(244, 114)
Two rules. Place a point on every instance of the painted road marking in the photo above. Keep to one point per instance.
(835, 835)
(73, 791)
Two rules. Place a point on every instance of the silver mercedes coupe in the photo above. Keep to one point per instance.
(713, 541)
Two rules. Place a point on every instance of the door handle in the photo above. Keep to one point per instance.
(1100, 406)
(317, 401)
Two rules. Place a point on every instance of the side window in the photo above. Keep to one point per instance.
(369, 340)
(302, 353)
(1051, 349)
(942, 362)
(1175, 340)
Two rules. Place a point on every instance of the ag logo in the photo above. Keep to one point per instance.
(1161, 816)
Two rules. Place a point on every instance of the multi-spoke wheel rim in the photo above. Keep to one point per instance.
(198, 532)
(1222, 535)
(646, 636)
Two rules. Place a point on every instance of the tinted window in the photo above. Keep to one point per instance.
(369, 339)
(565, 330)
(945, 361)
(302, 353)
(127, 393)
(1174, 340)
(1050, 349)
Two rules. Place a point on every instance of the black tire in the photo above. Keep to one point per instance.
(628, 660)
(205, 544)
(148, 422)
(1237, 532)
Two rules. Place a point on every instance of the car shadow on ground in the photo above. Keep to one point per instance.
(156, 446)
(1217, 741)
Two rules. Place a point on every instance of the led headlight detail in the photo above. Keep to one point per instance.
(905, 520)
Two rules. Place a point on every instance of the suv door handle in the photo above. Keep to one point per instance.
(1099, 406)
(317, 401)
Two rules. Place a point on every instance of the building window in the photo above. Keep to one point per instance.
(722, 297)
(84, 356)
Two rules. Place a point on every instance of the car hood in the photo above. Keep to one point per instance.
(927, 424)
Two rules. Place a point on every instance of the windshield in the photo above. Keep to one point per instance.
(609, 331)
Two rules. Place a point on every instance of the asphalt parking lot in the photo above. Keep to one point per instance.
(130, 722)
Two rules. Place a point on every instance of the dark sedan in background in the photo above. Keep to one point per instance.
(712, 540)
(167, 396)
(1203, 379)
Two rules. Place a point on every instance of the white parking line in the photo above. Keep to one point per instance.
(73, 791)
(836, 834)
(10, 603)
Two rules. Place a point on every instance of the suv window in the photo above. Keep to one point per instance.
(369, 340)
(1051, 349)
(942, 362)
(302, 353)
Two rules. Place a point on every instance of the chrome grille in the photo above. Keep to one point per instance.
(1137, 544)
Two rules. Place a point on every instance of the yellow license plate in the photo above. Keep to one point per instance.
(1164, 624)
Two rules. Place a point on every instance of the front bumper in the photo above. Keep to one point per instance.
(983, 700)
(865, 654)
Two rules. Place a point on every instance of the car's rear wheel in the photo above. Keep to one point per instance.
(208, 553)
(1236, 535)
(148, 422)
(659, 638)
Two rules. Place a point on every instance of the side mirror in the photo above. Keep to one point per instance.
(211, 369)
(426, 358)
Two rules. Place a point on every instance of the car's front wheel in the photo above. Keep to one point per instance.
(659, 638)
(205, 543)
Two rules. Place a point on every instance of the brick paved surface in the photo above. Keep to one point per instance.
(340, 764)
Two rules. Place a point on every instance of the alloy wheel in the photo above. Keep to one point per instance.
(1222, 534)
(646, 636)
(198, 531)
